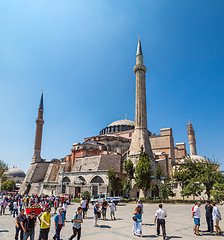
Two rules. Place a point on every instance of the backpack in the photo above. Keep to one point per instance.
(75, 217)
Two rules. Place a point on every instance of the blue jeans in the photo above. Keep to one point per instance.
(15, 211)
(209, 224)
(28, 234)
(57, 234)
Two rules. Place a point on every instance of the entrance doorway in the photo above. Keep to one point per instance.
(94, 191)
(77, 192)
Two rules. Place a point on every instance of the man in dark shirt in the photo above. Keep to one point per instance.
(28, 226)
(208, 210)
(20, 218)
(104, 209)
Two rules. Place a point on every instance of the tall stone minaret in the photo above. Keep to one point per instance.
(140, 136)
(38, 136)
(191, 139)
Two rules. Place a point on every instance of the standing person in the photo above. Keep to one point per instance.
(28, 226)
(160, 217)
(77, 220)
(208, 215)
(137, 230)
(3, 206)
(65, 206)
(97, 213)
(20, 218)
(56, 205)
(112, 207)
(87, 206)
(59, 223)
(104, 206)
(15, 208)
(216, 216)
(197, 216)
(83, 206)
(45, 224)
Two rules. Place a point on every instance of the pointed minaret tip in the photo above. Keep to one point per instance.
(41, 106)
(125, 116)
(139, 48)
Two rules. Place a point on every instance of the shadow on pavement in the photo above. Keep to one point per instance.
(104, 226)
(4, 231)
(172, 237)
(148, 224)
(148, 236)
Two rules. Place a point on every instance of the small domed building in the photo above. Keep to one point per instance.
(15, 174)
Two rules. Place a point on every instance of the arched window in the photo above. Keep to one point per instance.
(82, 179)
(97, 179)
(66, 179)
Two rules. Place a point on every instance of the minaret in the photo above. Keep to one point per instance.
(140, 136)
(38, 136)
(191, 139)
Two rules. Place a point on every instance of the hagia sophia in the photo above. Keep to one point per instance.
(85, 167)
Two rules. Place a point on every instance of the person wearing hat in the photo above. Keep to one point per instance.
(59, 221)
(112, 207)
(97, 213)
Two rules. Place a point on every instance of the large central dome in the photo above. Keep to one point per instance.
(118, 126)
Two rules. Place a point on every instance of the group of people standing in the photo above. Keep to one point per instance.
(213, 217)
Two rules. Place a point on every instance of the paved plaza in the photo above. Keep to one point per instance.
(179, 224)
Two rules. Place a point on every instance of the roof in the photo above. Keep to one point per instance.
(122, 122)
(15, 172)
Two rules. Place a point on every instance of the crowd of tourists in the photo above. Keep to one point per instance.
(25, 224)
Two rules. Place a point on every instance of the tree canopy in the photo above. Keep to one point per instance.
(8, 185)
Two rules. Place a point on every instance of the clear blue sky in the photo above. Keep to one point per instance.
(82, 54)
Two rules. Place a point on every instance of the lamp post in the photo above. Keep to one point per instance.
(62, 175)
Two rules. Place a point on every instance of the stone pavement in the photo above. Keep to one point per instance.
(179, 224)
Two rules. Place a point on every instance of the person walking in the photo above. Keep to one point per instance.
(104, 206)
(77, 221)
(28, 225)
(97, 214)
(20, 218)
(56, 205)
(15, 208)
(83, 206)
(65, 206)
(160, 219)
(59, 223)
(137, 229)
(3, 206)
(196, 214)
(208, 215)
(45, 224)
(112, 207)
(216, 216)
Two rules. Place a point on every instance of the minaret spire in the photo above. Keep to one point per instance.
(191, 139)
(140, 136)
(139, 48)
(39, 130)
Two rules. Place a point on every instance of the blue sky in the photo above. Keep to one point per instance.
(82, 54)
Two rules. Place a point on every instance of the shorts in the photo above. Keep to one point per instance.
(112, 213)
(197, 221)
(216, 222)
(104, 211)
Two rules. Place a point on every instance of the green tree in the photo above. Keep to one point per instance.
(3, 168)
(193, 187)
(129, 169)
(209, 175)
(166, 189)
(115, 182)
(218, 192)
(143, 172)
(86, 195)
(157, 182)
(8, 185)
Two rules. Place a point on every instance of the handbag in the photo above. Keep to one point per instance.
(134, 218)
